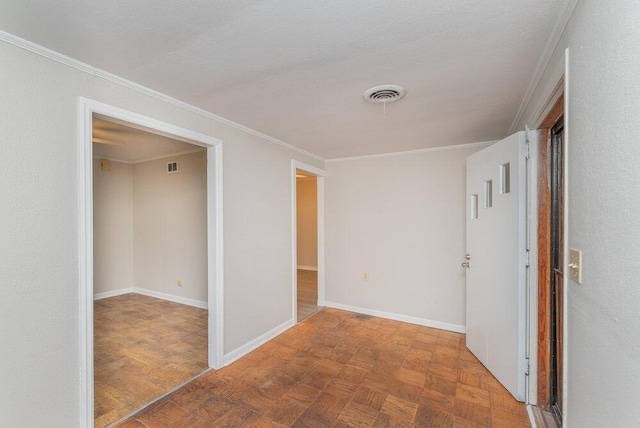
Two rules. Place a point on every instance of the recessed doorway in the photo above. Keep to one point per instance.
(551, 261)
(150, 266)
(307, 243)
(210, 151)
(307, 206)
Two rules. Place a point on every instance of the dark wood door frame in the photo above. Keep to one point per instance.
(544, 253)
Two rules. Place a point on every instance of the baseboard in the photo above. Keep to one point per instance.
(151, 293)
(399, 317)
(257, 342)
(532, 418)
(301, 267)
(170, 297)
(112, 293)
(540, 418)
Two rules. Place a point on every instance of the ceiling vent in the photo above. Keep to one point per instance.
(384, 94)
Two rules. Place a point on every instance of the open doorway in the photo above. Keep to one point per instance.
(203, 150)
(150, 266)
(307, 244)
(551, 260)
(307, 211)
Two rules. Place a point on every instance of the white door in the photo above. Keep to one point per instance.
(496, 272)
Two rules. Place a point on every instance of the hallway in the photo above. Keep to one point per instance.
(307, 293)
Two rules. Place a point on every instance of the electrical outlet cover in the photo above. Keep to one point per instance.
(575, 265)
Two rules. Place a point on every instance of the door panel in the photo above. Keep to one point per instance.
(496, 273)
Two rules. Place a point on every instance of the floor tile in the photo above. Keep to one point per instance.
(340, 369)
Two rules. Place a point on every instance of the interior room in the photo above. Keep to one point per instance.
(477, 241)
(307, 244)
(150, 266)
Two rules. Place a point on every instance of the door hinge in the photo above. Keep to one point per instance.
(526, 367)
(527, 258)
(527, 152)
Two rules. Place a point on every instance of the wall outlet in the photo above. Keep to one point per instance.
(180, 284)
(365, 276)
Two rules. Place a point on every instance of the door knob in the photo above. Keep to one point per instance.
(465, 265)
(467, 256)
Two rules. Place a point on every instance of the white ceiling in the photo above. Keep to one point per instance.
(296, 70)
(137, 145)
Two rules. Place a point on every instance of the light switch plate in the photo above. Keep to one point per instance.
(575, 265)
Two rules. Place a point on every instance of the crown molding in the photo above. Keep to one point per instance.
(543, 62)
(86, 68)
(412, 152)
(170, 155)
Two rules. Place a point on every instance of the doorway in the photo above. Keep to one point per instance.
(214, 280)
(150, 266)
(551, 257)
(556, 274)
(307, 244)
(307, 214)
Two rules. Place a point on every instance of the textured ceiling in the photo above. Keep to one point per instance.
(133, 145)
(296, 70)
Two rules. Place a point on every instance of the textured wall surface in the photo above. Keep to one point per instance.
(170, 226)
(401, 219)
(307, 222)
(150, 227)
(603, 315)
(39, 278)
(603, 320)
(113, 265)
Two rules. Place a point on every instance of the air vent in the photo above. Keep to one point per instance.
(384, 94)
(172, 167)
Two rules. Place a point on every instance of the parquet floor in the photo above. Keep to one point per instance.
(341, 369)
(143, 347)
(307, 293)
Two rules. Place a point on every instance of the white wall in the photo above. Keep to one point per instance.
(307, 222)
(602, 315)
(170, 226)
(39, 332)
(258, 237)
(150, 227)
(401, 219)
(112, 227)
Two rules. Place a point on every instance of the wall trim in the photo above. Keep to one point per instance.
(566, 398)
(536, 119)
(543, 62)
(86, 109)
(86, 68)
(257, 342)
(171, 298)
(532, 418)
(413, 152)
(152, 293)
(155, 400)
(314, 268)
(170, 155)
(399, 317)
(320, 175)
(113, 293)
